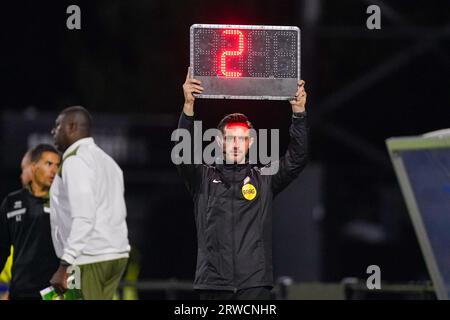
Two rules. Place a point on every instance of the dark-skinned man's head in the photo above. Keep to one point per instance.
(71, 125)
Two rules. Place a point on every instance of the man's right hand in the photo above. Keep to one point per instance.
(59, 279)
(190, 86)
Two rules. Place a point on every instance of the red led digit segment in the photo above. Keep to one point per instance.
(223, 57)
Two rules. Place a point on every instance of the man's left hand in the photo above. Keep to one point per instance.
(299, 102)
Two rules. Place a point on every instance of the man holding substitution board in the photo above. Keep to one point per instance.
(233, 202)
(232, 197)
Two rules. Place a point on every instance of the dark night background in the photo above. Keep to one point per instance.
(129, 60)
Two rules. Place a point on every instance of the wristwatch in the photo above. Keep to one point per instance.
(299, 115)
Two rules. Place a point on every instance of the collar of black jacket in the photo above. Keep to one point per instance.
(45, 199)
(233, 173)
(226, 167)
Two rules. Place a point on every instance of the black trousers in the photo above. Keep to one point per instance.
(257, 293)
(13, 296)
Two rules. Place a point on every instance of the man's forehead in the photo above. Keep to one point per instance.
(237, 124)
(50, 154)
(237, 127)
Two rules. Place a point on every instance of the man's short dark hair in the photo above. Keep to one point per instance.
(36, 152)
(83, 116)
(234, 118)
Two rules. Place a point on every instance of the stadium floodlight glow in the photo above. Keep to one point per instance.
(245, 61)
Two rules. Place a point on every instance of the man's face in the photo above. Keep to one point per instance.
(61, 133)
(236, 142)
(45, 170)
(27, 173)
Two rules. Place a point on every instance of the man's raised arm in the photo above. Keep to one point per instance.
(190, 172)
(296, 156)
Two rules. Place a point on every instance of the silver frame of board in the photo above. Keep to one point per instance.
(395, 147)
(268, 81)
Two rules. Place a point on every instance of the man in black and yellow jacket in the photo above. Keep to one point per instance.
(233, 203)
(25, 224)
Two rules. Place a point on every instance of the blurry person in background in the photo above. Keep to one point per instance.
(25, 178)
(25, 225)
(25, 165)
(88, 211)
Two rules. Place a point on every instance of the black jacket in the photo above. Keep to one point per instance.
(25, 224)
(234, 234)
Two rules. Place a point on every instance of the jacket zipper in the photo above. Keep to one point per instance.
(232, 230)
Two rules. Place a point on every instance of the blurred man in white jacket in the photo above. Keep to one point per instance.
(88, 212)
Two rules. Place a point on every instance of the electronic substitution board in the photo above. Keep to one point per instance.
(245, 62)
